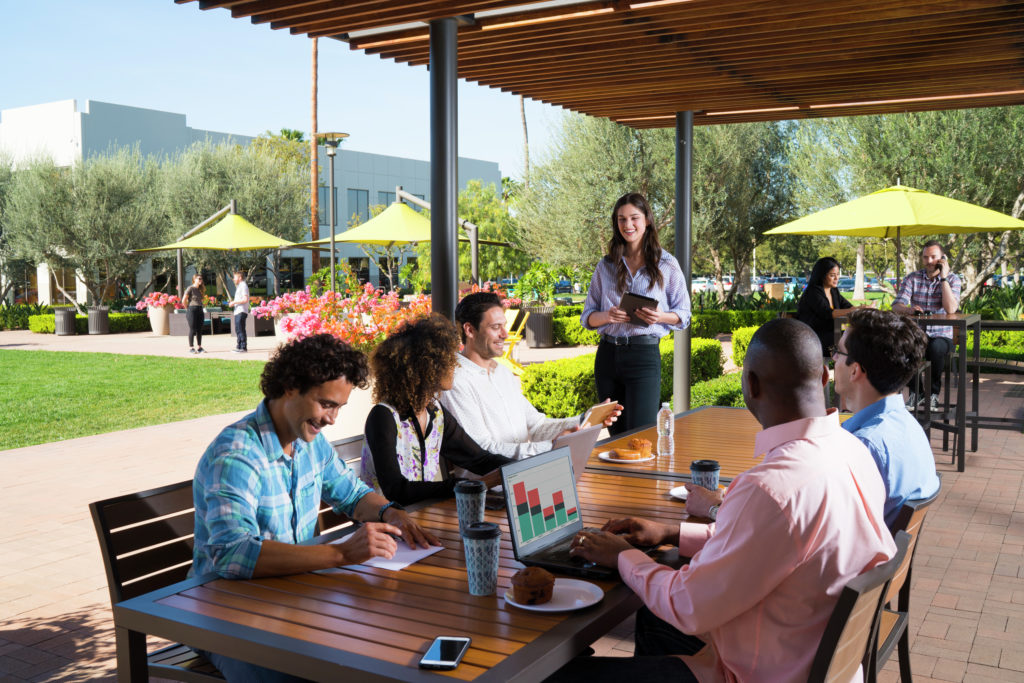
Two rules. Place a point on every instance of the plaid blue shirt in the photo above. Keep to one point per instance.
(246, 489)
(674, 297)
(917, 289)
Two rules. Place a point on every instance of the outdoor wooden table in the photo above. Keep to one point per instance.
(711, 432)
(960, 322)
(371, 624)
(992, 422)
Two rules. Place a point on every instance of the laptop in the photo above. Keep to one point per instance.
(581, 445)
(543, 513)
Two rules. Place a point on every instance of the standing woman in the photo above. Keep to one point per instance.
(821, 302)
(194, 312)
(628, 364)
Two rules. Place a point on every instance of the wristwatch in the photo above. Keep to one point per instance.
(713, 512)
(942, 279)
(384, 508)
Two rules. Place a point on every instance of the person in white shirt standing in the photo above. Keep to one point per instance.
(486, 397)
(241, 307)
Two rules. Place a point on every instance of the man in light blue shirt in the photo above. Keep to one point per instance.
(874, 359)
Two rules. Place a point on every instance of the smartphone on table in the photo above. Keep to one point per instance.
(445, 653)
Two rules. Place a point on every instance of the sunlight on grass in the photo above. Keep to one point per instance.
(51, 396)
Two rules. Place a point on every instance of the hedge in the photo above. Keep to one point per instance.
(566, 327)
(119, 322)
(563, 388)
(15, 316)
(721, 391)
(740, 341)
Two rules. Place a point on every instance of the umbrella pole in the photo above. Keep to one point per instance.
(181, 276)
(899, 255)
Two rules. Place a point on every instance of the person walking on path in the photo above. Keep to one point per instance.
(193, 298)
(241, 304)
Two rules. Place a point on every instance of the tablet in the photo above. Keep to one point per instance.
(630, 302)
(599, 413)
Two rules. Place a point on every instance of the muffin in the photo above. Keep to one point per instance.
(641, 445)
(532, 586)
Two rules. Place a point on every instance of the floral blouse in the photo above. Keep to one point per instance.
(405, 465)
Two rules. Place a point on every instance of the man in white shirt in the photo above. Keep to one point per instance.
(486, 398)
(241, 306)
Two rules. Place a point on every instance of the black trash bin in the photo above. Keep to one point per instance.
(64, 320)
(99, 320)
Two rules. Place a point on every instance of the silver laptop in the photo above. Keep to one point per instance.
(581, 445)
(543, 513)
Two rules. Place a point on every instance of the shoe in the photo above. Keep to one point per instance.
(201, 350)
(935, 403)
(191, 350)
(238, 350)
(911, 401)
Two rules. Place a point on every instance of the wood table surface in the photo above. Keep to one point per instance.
(376, 624)
(711, 432)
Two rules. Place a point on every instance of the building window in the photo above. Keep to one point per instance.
(385, 198)
(416, 207)
(323, 201)
(361, 268)
(292, 274)
(359, 205)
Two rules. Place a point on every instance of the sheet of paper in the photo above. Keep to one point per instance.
(402, 559)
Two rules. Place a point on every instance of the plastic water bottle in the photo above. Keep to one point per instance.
(666, 430)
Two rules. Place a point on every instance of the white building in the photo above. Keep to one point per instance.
(69, 133)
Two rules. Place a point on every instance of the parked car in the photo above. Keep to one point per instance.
(757, 284)
(701, 284)
(846, 284)
(563, 286)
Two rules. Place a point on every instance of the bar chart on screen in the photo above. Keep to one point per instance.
(545, 500)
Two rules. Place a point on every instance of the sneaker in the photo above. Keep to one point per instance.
(911, 401)
(935, 403)
(237, 350)
(191, 350)
(201, 350)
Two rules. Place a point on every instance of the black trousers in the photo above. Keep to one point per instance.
(630, 375)
(195, 317)
(937, 350)
(240, 336)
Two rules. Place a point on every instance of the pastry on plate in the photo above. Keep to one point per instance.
(532, 586)
(641, 445)
(625, 454)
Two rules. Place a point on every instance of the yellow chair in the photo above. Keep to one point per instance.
(515, 335)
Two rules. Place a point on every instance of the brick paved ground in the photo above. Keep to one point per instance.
(968, 598)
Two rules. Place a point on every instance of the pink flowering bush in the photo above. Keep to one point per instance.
(363, 319)
(158, 300)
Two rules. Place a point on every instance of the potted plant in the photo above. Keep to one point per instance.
(158, 306)
(536, 288)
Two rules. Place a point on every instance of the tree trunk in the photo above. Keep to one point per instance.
(858, 282)
(73, 300)
(526, 143)
(314, 171)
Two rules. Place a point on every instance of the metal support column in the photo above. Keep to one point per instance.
(444, 257)
(683, 251)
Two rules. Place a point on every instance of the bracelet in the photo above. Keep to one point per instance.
(713, 512)
(384, 508)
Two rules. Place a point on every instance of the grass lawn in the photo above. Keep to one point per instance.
(51, 396)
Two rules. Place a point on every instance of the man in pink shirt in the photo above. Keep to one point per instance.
(791, 532)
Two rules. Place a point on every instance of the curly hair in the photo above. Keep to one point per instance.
(889, 347)
(307, 363)
(650, 247)
(410, 365)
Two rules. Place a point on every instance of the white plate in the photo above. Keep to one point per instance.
(608, 456)
(679, 493)
(567, 595)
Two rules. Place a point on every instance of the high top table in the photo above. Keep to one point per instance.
(367, 624)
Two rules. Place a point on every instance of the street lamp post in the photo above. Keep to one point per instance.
(331, 141)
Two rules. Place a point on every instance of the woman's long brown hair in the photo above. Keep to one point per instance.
(650, 248)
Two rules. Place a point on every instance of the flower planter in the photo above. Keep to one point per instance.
(539, 334)
(64, 321)
(99, 320)
(158, 318)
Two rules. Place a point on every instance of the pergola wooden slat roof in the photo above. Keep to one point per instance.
(641, 62)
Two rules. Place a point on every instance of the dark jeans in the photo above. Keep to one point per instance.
(936, 352)
(240, 331)
(656, 642)
(244, 672)
(630, 375)
(195, 317)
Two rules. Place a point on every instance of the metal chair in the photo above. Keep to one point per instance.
(853, 625)
(516, 332)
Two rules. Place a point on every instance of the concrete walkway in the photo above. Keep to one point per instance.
(967, 618)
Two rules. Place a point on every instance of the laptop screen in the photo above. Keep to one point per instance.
(540, 495)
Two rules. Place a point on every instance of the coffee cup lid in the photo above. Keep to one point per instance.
(481, 530)
(470, 486)
(705, 465)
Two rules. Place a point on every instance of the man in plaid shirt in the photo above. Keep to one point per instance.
(933, 289)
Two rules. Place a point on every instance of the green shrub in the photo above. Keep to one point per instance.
(740, 341)
(568, 330)
(571, 311)
(563, 388)
(721, 391)
(15, 316)
(119, 322)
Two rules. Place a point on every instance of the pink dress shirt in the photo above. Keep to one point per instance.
(763, 581)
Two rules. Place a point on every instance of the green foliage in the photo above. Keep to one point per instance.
(563, 388)
(740, 341)
(77, 394)
(344, 279)
(712, 323)
(721, 391)
(119, 322)
(537, 283)
(569, 331)
(15, 316)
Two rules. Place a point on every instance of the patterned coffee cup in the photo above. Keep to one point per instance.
(480, 543)
(469, 502)
(705, 473)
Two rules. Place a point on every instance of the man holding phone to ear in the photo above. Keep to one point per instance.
(933, 289)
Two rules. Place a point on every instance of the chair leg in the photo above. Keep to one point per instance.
(130, 647)
(904, 653)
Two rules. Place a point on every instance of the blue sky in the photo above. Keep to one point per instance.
(232, 76)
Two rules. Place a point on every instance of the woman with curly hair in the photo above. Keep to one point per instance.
(410, 438)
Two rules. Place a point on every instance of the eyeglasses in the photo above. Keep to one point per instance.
(834, 351)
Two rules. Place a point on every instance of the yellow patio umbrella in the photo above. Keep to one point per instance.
(397, 224)
(897, 211)
(231, 233)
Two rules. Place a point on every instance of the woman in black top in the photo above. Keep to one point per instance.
(410, 438)
(821, 302)
(194, 314)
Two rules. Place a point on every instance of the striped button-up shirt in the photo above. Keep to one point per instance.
(246, 490)
(917, 289)
(673, 297)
